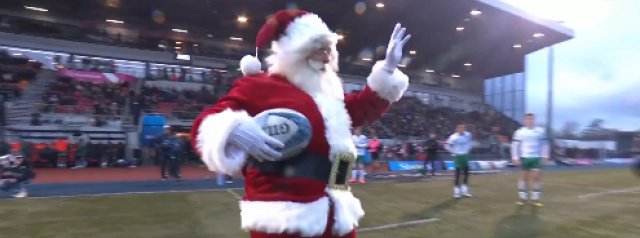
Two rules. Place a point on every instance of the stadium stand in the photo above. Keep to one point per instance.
(16, 73)
(67, 95)
(184, 104)
(98, 110)
(210, 48)
(179, 89)
(50, 29)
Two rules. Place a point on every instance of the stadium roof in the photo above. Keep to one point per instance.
(493, 42)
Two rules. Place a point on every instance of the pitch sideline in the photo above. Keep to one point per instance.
(607, 192)
(417, 180)
(396, 225)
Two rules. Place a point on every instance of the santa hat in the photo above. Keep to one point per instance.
(288, 31)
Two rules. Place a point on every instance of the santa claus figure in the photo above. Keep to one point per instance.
(299, 196)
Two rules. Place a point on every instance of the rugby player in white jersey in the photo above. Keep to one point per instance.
(530, 150)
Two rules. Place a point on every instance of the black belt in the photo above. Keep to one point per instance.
(309, 166)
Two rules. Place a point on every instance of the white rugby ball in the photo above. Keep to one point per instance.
(289, 127)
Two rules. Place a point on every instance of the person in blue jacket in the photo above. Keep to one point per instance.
(171, 148)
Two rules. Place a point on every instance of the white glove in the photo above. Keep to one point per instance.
(394, 49)
(249, 137)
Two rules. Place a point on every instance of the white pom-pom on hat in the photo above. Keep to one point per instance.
(250, 65)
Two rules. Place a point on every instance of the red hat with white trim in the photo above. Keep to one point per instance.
(289, 31)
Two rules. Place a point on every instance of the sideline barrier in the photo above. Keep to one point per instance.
(619, 161)
(450, 165)
(405, 165)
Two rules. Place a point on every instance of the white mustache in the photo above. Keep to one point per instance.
(317, 65)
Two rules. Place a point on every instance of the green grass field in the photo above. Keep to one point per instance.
(604, 203)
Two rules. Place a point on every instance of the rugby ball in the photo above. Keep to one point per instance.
(289, 127)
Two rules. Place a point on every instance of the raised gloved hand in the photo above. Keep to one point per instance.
(394, 49)
(249, 137)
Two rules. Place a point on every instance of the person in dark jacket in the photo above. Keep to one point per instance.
(431, 146)
(5, 147)
(50, 155)
(171, 148)
(2, 111)
(15, 173)
(135, 108)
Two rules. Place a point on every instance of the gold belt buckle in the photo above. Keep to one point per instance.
(341, 171)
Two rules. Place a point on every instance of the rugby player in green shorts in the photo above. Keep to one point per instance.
(459, 144)
(530, 150)
(361, 143)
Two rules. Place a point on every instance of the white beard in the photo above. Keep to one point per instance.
(325, 88)
(311, 76)
(317, 65)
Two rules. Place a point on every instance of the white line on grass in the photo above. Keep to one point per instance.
(388, 226)
(375, 228)
(614, 191)
(237, 196)
(395, 225)
(576, 186)
(203, 190)
(175, 191)
(234, 194)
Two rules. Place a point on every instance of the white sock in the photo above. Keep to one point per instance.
(456, 190)
(354, 174)
(362, 173)
(464, 188)
(522, 190)
(537, 191)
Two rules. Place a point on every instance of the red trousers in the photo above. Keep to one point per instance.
(327, 232)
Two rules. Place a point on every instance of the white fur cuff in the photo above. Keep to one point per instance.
(347, 212)
(306, 219)
(388, 86)
(216, 153)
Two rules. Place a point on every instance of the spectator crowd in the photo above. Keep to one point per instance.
(107, 102)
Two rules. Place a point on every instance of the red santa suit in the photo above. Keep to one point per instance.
(295, 202)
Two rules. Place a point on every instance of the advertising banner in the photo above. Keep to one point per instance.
(619, 161)
(449, 165)
(406, 165)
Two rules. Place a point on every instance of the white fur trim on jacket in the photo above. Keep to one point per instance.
(306, 219)
(337, 124)
(347, 212)
(216, 153)
(388, 86)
